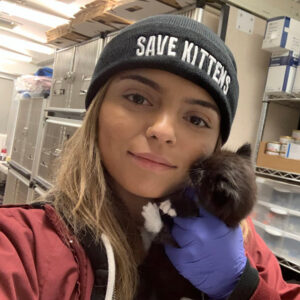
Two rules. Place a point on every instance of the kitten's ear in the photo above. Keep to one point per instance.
(244, 150)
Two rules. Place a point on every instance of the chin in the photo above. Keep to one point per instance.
(153, 193)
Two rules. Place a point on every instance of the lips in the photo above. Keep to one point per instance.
(154, 158)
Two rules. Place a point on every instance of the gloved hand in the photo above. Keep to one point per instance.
(211, 255)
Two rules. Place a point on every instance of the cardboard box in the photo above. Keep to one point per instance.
(91, 28)
(276, 162)
(281, 74)
(93, 21)
(63, 36)
(282, 33)
(139, 9)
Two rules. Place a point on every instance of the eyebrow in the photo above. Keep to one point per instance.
(203, 103)
(143, 80)
(157, 87)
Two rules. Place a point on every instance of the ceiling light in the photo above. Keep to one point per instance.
(16, 44)
(30, 35)
(14, 56)
(31, 14)
(6, 61)
(7, 23)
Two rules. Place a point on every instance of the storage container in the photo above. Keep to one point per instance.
(260, 213)
(293, 224)
(295, 201)
(273, 238)
(264, 189)
(281, 196)
(291, 249)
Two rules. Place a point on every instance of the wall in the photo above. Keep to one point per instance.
(6, 88)
(17, 68)
(252, 64)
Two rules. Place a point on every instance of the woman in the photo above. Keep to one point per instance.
(163, 94)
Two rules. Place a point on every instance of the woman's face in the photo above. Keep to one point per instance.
(157, 114)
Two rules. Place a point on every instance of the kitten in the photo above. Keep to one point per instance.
(225, 186)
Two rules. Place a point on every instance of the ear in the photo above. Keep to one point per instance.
(244, 150)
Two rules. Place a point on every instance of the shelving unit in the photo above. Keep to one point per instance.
(294, 177)
(289, 101)
(275, 174)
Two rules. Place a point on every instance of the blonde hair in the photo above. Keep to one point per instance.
(82, 197)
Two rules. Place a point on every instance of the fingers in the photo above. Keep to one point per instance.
(182, 236)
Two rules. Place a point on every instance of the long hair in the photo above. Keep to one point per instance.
(82, 197)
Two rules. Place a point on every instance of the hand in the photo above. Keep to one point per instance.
(211, 255)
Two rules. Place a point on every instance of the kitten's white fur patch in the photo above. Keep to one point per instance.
(147, 238)
(153, 222)
(167, 209)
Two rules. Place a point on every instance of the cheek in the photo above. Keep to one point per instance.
(114, 127)
(200, 150)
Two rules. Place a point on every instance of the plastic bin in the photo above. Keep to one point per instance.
(260, 213)
(264, 189)
(281, 195)
(295, 200)
(293, 224)
(273, 239)
(277, 217)
(291, 249)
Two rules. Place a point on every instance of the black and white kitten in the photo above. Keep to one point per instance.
(225, 186)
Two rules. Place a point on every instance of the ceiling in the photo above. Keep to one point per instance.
(14, 26)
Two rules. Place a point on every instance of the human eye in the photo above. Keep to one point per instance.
(197, 121)
(136, 98)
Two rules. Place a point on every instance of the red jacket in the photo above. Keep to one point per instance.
(40, 259)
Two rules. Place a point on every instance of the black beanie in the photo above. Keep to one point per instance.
(179, 45)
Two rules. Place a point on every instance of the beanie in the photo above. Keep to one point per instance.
(179, 45)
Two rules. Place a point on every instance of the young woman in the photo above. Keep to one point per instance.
(163, 95)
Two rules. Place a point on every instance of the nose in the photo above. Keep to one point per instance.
(162, 129)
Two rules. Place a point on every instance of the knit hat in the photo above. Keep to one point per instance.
(179, 45)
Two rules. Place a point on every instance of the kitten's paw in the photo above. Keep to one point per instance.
(153, 222)
(167, 209)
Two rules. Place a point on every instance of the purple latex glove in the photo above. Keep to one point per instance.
(211, 255)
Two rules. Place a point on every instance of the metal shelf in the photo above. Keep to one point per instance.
(288, 100)
(294, 177)
(288, 264)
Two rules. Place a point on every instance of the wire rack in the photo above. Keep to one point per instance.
(288, 264)
(293, 177)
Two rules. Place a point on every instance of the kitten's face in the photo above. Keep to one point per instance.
(153, 111)
(225, 184)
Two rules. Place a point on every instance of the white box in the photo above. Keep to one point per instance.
(293, 151)
(296, 86)
(282, 33)
(281, 74)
